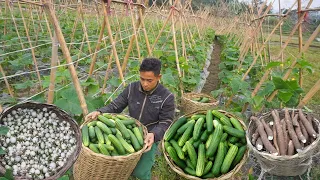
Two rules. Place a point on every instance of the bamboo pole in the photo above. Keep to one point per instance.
(31, 46)
(74, 28)
(1, 109)
(6, 81)
(300, 41)
(48, 25)
(15, 24)
(39, 18)
(184, 52)
(65, 50)
(135, 32)
(294, 30)
(54, 61)
(114, 50)
(93, 61)
(31, 16)
(119, 30)
(39, 27)
(5, 21)
(84, 27)
(280, 31)
(126, 57)
(261, 48)
(176, 53)
(310, 94)
(305, 48)
(80, 51)
(164, 25)
(144, 31)
(106, 77)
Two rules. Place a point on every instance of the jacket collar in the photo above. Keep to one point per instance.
(148, 92)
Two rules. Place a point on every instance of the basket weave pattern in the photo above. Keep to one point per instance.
(91, 165)
(62, 116)
(190, 106)
(294, 165)
(229, 175)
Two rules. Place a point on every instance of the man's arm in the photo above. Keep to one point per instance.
(166, 116)
(119, 104)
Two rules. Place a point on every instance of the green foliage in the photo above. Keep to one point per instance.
(232, 85)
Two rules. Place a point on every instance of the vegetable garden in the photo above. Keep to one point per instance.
(246, 90)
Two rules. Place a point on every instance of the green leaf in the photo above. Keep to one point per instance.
(158, 53)
(9, 174)
(288, 84)
(258, 100)
(235, 85)
(285, 95)
(94, 103)
(273, 64)
(65, 177)
(114, 81)
(268, 89)
(24, 85)
(3, 130)
(2, 151)
(305, 65)
(3, 178)
(70, 105)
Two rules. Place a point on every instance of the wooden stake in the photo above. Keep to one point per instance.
(48, 25)
(74, 28)
(93, 61)
(114, 50)
(176, 53)
(135, 32)
(310, 94)
(144, 31)
(164, 25)
(31, 46)
(65, 50)
(54, 61)
(305, 48)
(6, 82)
(300, 41)
(280, 31)
(15, 24)
(84, 28)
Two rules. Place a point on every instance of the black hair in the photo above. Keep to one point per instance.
(151, 64)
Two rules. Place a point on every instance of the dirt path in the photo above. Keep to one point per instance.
(212, 82)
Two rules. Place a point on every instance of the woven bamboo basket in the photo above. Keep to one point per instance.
(229, 175)
(63, 116)
(190, 106)
(294, 165)
(91, 165)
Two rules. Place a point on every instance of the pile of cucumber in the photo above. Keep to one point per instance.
(201, 99)
(113, 135)
(206, 145)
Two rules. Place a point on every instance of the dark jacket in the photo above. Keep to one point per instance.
(153, 109)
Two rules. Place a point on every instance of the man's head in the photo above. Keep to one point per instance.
(150, 73)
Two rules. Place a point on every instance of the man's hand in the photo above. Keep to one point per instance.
(93, 115)
(149, 141)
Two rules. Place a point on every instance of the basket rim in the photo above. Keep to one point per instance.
(72, 158)
(141, 151)
(276, 157)
(178, 170)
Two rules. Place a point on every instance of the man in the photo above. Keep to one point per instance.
(149, 102)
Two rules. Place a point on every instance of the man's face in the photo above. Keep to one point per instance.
(149, 80)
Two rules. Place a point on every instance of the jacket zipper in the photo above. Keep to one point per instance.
(144, 102)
